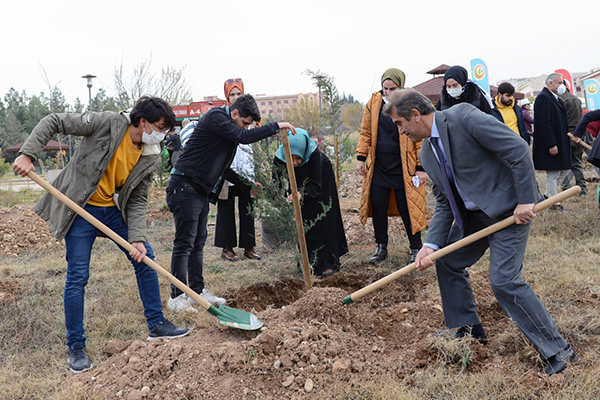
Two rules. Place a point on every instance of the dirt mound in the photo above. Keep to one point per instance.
(23, 231)
(310, 343)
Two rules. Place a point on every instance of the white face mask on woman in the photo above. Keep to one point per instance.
(152, 138)
(456, 92)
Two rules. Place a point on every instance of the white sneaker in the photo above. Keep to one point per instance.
(208, 296)
(180, 303)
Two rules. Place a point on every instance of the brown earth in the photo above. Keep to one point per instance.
(310, 342)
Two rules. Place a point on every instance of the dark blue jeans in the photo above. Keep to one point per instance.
(79, 241)
(190, 213)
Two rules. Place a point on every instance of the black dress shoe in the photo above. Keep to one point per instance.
(558, 362)
(475, 331)
(381, 254)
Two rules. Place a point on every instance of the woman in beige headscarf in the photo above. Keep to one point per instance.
(394, 181)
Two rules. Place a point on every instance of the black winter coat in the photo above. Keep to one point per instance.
(211, 147)
(550, 129)
(326, 239)
(472, 94)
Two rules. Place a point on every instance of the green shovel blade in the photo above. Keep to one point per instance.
(236, 318)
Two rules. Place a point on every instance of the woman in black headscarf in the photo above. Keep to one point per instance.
(459, 89)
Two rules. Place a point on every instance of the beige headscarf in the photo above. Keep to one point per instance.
(395, 75)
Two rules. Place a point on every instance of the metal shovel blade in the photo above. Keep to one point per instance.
(236, 318)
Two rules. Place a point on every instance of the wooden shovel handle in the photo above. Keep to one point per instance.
(116, 238)
(297, 210)
(459, 244)
(584, 144)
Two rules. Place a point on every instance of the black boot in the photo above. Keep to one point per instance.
(381, 254)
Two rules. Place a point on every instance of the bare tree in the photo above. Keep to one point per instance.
(170, 84)
(304, 114)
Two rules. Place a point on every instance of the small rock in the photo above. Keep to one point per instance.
(338, 366)
(179, 386)
(134, 395)
(288, 381)
(246, 391)
(135, 359)
(313, 359)
(114, 346)
(404, 310)
(145, 391)
(277, 364)
(309, 385)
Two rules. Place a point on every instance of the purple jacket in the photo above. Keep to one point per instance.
(528, 119)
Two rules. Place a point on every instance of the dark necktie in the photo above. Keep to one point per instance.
(447, 185)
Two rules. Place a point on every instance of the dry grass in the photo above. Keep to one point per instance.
(561, 264)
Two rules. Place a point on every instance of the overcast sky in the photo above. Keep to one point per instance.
(270, 43)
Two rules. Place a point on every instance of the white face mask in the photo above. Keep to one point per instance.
(561, 89)
(456, 92)
(152, 138)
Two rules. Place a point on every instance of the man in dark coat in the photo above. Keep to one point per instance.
(551, 145)
(574, 113)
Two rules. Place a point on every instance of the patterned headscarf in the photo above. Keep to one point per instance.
(230, 84)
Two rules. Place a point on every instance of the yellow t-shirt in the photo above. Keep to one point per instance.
(119, 167)
(508, 115)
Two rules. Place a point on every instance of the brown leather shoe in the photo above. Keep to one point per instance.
(229, 255)
(251, 254)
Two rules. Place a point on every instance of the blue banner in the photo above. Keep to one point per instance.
(592, 94)
(479, 74)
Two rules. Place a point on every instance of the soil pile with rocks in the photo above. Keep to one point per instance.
(23, 231)
(306, 348)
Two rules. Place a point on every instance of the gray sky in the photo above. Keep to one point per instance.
(270, 43)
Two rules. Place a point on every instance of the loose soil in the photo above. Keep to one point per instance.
(310, 342)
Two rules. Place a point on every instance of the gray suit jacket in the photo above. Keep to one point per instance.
(491, 165)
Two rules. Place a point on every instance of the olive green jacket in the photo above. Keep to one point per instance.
(102, 134)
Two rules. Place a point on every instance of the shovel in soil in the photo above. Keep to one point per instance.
(459, 244)
(227, 315)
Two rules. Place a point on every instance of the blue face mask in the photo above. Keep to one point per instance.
(456, 92)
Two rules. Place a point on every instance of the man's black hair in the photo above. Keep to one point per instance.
(152, 109)
(506, 88)
(247, 107)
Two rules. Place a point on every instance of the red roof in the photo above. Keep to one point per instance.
(52, 145)
(431, 88)
(439, 70)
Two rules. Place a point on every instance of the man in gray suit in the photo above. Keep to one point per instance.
(482, 173)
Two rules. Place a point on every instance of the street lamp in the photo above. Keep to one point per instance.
(89, 78)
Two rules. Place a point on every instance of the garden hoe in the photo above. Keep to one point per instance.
(297, 210)
(459, 244)
(226, 315)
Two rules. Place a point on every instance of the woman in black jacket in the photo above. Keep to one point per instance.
(325, 239)
(458, 89)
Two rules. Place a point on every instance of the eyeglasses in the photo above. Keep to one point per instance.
(161, 128)
(236, 80)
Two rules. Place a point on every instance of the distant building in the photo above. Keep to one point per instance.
(197, 109)
(273, 107)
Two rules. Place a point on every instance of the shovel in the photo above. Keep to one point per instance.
(459, 244)
(226, 315)
(297, 209)
(582, 143)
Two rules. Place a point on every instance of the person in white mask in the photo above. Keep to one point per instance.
(551, 145)
(459, 89)
(110, 176)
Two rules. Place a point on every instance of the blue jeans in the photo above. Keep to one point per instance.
(79, 241)
(190, 213)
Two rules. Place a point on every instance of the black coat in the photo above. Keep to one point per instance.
(550, 129)
(472, 94)
(594, 155)
(211, 147)
(326, 239)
